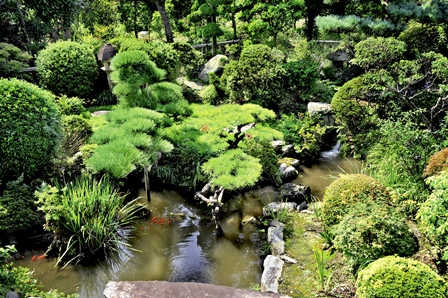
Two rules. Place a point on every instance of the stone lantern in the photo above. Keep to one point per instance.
(106, 53)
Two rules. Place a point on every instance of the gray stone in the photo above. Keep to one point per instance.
(323, 109)
(146, 289)
(275, 238)
(12, 294)
(287, 173)
(302, 206)
(277, 144)
(194, 85)
(296, 193)
(272, 271)
(288, 259)
(214, 65)
(275, 207)
(288, 150)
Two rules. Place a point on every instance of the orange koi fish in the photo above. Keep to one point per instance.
(32, 260)
(41, 257)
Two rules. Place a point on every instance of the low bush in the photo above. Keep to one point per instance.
(12, 60)
(70, 105)
(393, 276)
(370, 231)
(67, 67)
(18, 213)
(347, 190)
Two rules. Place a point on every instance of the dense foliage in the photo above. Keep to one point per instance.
(12, 60)
(370, 231)
(347, 190)
(30, 129)
(67, 68)
(399, 277)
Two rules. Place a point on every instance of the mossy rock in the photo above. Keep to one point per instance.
(347, 190)
(399, 277)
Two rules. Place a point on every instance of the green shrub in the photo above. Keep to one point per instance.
(129, 140)
(162, 54)
(12, 60)
(370, 231)
(433, 214)
(67, 67)
(399, 277)
(423, 38)
(257, 77)
(307, 134)
(18, 213)
(87, 216)
(209, 95)
(347, 190)
(264, 151)
(77, 124)
(378, 52)
(190, 60)
(30, 129)
(397, 160)
(70, 105)
(355, 116)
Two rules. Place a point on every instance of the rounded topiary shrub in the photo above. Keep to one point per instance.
(67, 67)
(370, 231)
(347, 190)
(399, 277)
(30, 129)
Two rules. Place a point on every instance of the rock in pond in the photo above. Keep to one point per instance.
(275, 238)
(296, 193)
(288, 173)
(275, 207)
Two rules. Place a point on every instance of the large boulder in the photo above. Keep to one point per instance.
(295, 193)
(323, 109)
(214, 65)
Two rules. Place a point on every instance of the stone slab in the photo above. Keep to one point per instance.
(143, 289)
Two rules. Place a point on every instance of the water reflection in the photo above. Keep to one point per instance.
(181, 247)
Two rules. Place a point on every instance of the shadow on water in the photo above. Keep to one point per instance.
(176, 243)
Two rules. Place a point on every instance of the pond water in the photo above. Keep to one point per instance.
(180, 244)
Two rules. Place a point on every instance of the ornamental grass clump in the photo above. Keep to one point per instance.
(88, 218)
(399, 277)
(347, 190)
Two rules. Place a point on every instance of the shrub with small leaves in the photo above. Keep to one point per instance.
(370, 231)
(67, 67)
(70, 105)
(12, 60)
(437, 163)
(393, 276)
(30, 129)
(347, 190)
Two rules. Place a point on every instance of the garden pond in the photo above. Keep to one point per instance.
(178, 242)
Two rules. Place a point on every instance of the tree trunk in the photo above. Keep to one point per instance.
(22, 20)
(135, 19)
(234, 21)
(214, 42)
(165, 20)
(67, 33)
(146, 178)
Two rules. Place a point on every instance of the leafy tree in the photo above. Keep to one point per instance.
(138, 84)
(211, 130)
(135, 15)
(68, 68)
(256, 77)
(30, 129)
(59, 13)
(12, 59)
(271, 17)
